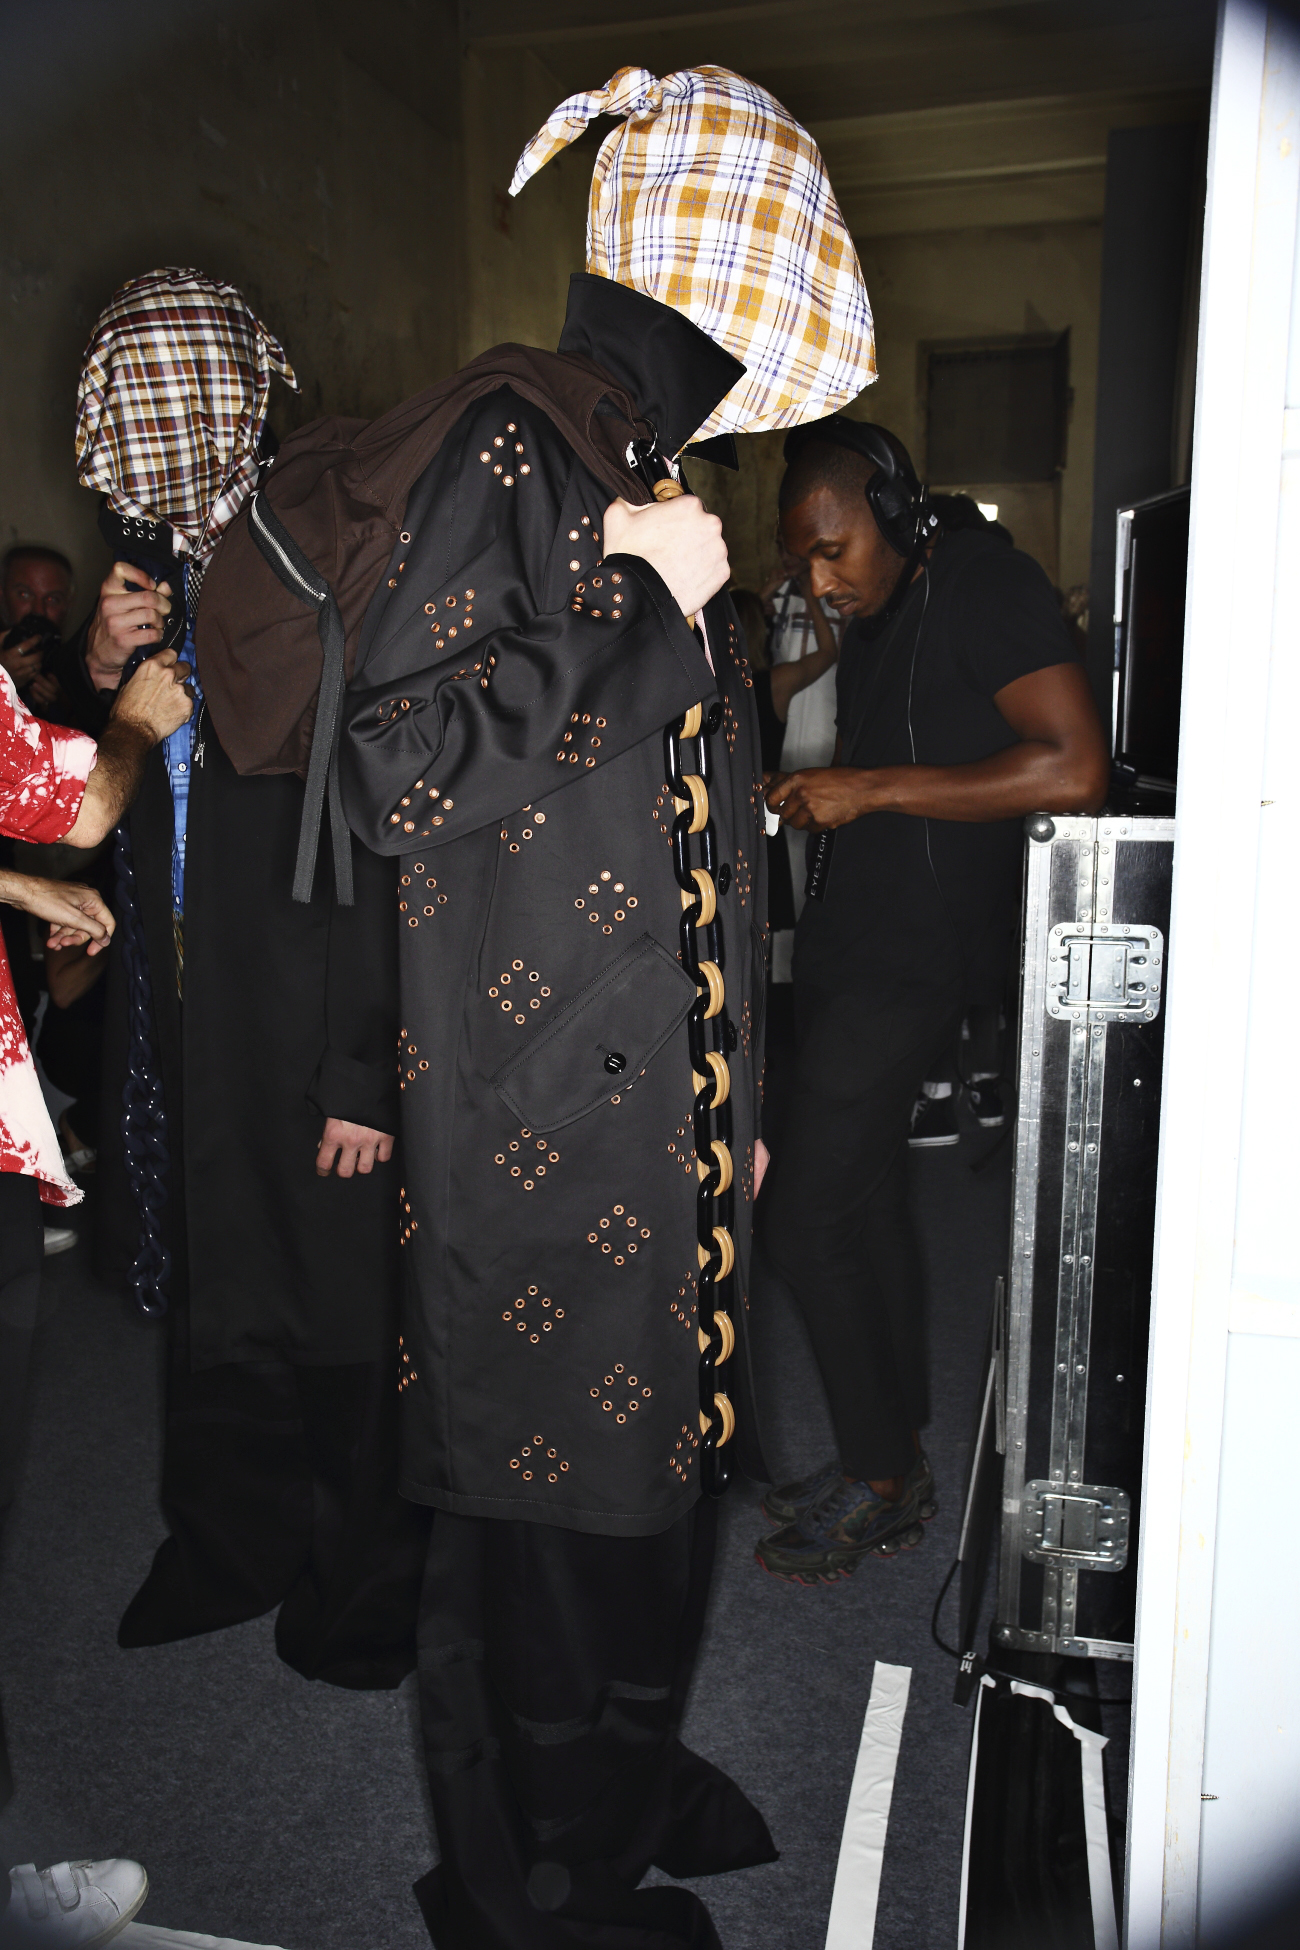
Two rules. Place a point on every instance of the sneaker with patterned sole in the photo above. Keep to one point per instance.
(829, 1540)
(785, 1504)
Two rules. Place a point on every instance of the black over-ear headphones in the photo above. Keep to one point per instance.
(896, 497)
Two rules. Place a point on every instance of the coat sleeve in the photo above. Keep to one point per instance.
(43, 771)
(563, 670)
(357, 1076)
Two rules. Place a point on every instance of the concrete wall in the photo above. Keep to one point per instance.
(970, 284)
(349, 169)
(521, 251)
(308, 152)
(955, 284)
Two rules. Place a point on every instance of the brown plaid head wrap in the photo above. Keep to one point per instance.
(712, 199)
(172, 398)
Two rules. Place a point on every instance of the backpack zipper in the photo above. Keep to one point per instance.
(314, 596)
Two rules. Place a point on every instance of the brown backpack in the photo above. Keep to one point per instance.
(286, 592)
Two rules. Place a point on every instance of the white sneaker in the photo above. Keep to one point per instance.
(74, 1903)
(58, 1239)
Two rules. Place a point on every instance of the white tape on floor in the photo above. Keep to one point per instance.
(852, 1923)
(145, 1936)
(1101, 1884)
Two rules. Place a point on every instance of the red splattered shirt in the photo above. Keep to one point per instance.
(43, 773)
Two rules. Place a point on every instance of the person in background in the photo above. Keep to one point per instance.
(36, 589)
(803, 647)
(272, 1245)
(975, 1062)
(54, 785)
(961, 708)
(754, 620)
(803, 643)
(71, 1046)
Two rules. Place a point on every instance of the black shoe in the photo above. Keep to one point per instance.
(829, 1540)
(934, 1122)
(788, 1503)
(985, 1100)
(784, 1505)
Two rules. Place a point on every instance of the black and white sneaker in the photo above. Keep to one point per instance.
(985, 1100)
(934, 1122)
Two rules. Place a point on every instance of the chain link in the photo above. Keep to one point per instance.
(687, 763)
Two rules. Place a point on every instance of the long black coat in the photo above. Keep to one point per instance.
(505, 741)
(289, 1015)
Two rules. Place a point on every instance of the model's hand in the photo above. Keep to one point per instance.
(345, 1148)
(830, 795)
(78, 915)
(762, 1159)
(678, 539)
(131, 612)
(155, 698)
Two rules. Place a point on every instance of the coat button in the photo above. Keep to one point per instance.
(615, 1062)
(731, 1035)
(724, 878)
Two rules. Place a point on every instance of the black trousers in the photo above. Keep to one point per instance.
(279, 1487)
(553, 1674)
(837, 1221)
(22, 1245)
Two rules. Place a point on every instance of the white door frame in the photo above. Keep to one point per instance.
(1237, 800)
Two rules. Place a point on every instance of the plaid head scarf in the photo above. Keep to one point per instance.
(712, 199)
(172, 398)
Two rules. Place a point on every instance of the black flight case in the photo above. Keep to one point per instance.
(1078, 1291)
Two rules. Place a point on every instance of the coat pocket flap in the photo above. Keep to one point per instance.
(599, 1042)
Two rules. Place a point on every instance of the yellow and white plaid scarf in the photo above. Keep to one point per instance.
(173, 394)
(712, 199)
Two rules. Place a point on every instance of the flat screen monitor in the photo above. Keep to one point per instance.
(1150, 612)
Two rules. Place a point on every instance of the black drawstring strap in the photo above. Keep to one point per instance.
(305, 581)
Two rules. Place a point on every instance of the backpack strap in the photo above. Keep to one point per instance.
(305, 581)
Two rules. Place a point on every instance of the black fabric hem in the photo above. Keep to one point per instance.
(589, 1523)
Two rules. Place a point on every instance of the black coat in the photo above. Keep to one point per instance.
(550, 1357)
(289, 1015)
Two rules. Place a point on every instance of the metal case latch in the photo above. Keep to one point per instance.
(1109, 972)
(1083, 1524)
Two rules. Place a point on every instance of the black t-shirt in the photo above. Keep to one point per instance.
(912, 902)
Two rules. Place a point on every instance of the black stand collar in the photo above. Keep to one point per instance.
(672, 369)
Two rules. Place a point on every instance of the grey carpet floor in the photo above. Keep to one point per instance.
(278, 1812)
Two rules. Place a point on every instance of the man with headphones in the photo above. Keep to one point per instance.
(961, 707)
